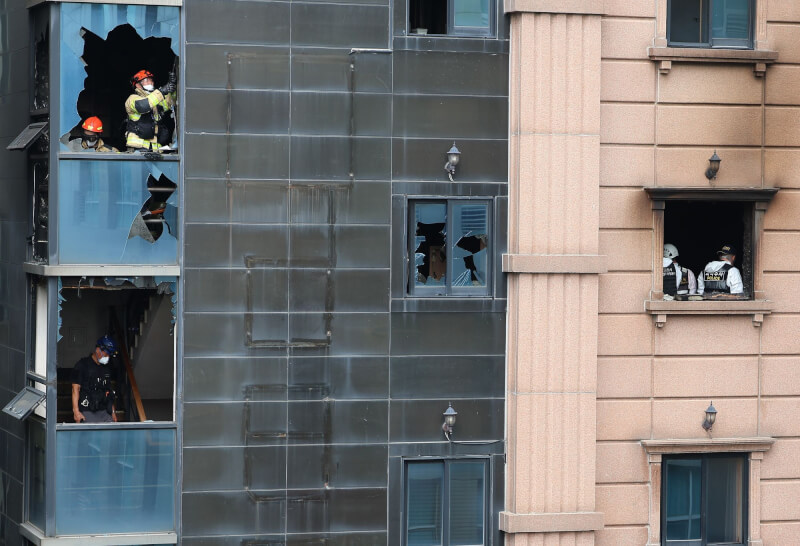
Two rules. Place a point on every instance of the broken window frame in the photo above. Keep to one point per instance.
(448, 289)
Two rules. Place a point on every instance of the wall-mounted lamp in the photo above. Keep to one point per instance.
(453, 156)
(711, 416)
(713, 166)
(449, 421)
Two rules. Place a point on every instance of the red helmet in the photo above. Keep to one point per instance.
(93, 124)
(141, 75)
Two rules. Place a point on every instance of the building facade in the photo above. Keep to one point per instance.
(302, 291)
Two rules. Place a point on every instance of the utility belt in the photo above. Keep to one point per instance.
(97, 399)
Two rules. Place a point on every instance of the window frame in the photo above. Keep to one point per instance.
(716, 43)
(445, 506)
(704, 458)
(454, 31)
(448, 290)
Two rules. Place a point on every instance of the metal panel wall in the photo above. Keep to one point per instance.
(308, 374)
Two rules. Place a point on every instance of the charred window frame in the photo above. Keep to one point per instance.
(725, 24)
(704, 499)
(450, 247)
(451, 17)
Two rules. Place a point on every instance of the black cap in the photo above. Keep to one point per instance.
(727, 250)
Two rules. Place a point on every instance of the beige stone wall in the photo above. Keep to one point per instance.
(654, 383)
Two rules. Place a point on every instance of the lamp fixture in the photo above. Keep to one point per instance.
(449, 421)
(713, 166)
(453, 156)
(711, 416)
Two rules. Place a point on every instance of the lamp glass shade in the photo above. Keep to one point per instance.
(714, 162)
(711, 414)
(453, 155)
(450, 416)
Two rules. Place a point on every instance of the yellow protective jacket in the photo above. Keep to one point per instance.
(145, 111)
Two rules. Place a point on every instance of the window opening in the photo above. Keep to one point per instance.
(711, 23)
(698, 229)
(136, 313)
(704, 500)
(453, 17)
(103, 47)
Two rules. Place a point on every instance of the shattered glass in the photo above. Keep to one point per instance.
(102, 46)
(430, 254)
(118, 212)
(470, 225)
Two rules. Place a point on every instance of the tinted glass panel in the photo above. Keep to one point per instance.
(425, 491)
(430, 244)
(471, 13)
(724, 491)
(36, 473)
(467, 496)
(117, 212)
(683, 499)
(470, 232)
(687, 21)
(731, 19)
(115, 481)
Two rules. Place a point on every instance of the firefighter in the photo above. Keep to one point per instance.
(90, 140)
(720, 276)
(677, 279)
(148, 110)
(92, 395)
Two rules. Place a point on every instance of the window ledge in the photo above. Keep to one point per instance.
(708, 445)
(97, 270)
(756, 308)
(759, 58)
(37, 537)
(119, 156)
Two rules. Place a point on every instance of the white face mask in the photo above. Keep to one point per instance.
(148, 87)
(103, 360)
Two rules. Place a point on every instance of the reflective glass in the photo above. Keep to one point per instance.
(115, 481)
(471, 13)
(111, 74)
(687, 21)
(683, 499)
(425, 490)
(430, 244)
(470, 232)
(117, 212)
(36, 473)
(467, 497)
(725, 490)
(730, 19)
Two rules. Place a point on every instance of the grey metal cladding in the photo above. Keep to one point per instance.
(423, 376)
(338, 378)
(453, 117)
(234, 512)
(343, 290)
(419, 420)
(235, 379)
(422, 159)
(218, 21)
(336, 510)
(234, 468)
(241, 67)
(443, 73)
(339, 25)
(238, 111)
(236, 201)
(247, 156)
(340, 202)
(315, 69)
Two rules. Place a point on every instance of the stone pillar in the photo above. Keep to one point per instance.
(553, 267)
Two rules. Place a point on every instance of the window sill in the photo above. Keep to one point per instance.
(36, 537)
(117, 156)
(756, 308)
(97, 270)
(759, 58)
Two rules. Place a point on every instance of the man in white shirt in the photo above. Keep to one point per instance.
(677, 279)
(721, 276)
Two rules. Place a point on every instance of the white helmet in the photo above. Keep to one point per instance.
(670, 251)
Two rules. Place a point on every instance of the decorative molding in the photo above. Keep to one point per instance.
(762, 195)
(756, 308)
(555, 263)
(579, 7)
(757, 444)
(550, 522)
(759, 58)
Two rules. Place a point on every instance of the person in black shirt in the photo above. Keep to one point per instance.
(92, 394)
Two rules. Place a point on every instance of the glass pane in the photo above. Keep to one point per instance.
(425, 489)
(117, 212)
(102, 47)
(724, 493)
(683, 499)
(36, 473)
(471, 13)
(731, 19)
(23, 403)
(115, 481)
(471, 233)
(467, 496)
(430, 239)
(688, 21)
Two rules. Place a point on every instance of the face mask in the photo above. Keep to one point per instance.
(148, 87)
(91, 142)
(103, 360)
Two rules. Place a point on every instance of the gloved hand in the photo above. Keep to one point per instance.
(173, 78)
(168, 87)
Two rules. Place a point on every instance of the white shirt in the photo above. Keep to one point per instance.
(679, 276)
(733, 280)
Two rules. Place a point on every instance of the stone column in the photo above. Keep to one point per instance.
(553, 267)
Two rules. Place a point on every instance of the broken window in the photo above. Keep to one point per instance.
(451, 17)
(698, 229)
(102, 47)
(118, 212)
(450, 247)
